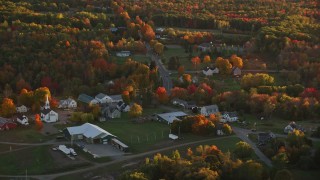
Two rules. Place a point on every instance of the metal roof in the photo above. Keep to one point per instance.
(100, 96)
(119, 142)
(89, 130)
(85, 98)
(170, 117)
(116, 97)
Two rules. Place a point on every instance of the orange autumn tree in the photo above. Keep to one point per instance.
(187, 78)
(38, 122)
(213, 118)
(178, 92)
(126, 97)
(67, 44)
(8, 108)
(196, 61)
(53, 103)
(202, 126)
(148, 32)
(26, 97)
(181, 70)
(207, 59)
(236, 61)
(162, 95)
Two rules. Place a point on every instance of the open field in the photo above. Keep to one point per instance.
(214, 31)
(136, 57)
(37, 160)
(178, 51)
(275, 124)
(23, 135)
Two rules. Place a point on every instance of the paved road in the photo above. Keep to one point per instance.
(244, 71)
(243, 135)
(52, 142)
(124, 158)
(164, 73)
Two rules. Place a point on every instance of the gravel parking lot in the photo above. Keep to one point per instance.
(103, 150)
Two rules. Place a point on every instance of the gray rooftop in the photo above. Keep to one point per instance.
(100, 96)
(85, 98)
(170, 117)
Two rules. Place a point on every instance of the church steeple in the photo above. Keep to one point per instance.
(47, 105)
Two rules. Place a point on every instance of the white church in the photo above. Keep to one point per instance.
(48, 115)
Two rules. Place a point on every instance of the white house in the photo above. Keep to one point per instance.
(220, 129)
(123, 53)
(48, 115)
(292, 126)
(113, 113)
(194, 79)
(22, 119)
(22, 109)
(123, 107)
(207, 110)
(204, 47)
(110, 111)
(68, 103)
(236, 71)
(229, 117)
(103, 98)
(210, 71)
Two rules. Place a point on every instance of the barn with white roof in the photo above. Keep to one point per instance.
(93, 134)
(171, 116)
(88, 132)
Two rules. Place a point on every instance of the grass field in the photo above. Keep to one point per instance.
(179, 52)
(275, 124)
(23, 135)
(138, 136)
(34, 160)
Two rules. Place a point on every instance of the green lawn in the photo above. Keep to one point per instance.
(274, 124)
(23, 135)
(34, 160)
(136, 57)
(179, 52)
(138, 136)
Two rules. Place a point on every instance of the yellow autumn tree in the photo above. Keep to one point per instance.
(236, 61)
(8, 107)
(135, 110)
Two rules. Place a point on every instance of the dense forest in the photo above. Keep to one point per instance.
(69, 47)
